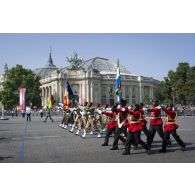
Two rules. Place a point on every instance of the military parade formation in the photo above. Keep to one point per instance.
(125, 122)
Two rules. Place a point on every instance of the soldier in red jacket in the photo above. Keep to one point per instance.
(155, 122)
(111, 125)
(122, 123)
(143, 120)
(134, 131)
(170, 128)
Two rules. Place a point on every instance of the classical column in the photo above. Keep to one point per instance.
(140, 87)
(151, 93)
(91, 91)
(80, 94)
(130, 94)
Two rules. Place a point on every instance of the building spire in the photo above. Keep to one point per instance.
(50, 61)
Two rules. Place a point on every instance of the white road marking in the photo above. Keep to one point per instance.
(38, 137)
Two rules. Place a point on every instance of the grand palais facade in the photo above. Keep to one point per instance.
(93, 80)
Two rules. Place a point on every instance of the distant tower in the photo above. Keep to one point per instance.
(50, 60)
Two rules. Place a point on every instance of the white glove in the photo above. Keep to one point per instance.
(99, 111)
(123, 109)
(119, 106)
(145, 109)
(159, 107)
(129, 107)
(119, 126)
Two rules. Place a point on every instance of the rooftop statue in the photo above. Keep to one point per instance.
(75, 61)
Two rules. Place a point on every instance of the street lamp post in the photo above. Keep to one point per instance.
(173, 96)
(85, 71)
(4, 79)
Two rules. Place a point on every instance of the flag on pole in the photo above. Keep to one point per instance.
(51, 102)
(68, 95)
(118, 83)
(22, 98)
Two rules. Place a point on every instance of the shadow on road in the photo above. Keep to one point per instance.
(5, 157)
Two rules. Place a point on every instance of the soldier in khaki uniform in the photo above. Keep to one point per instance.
(82, 121)
(67, 118)
(91, 122)
(99, 117)
(77, 120)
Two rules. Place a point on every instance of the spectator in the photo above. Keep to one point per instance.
(28, 113)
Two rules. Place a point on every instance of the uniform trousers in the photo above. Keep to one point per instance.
(152, 130)
(131, 136)
(109, 132)
(176, 137)
(145, 130)
(117, 135)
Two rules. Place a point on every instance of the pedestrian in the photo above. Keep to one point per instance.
(41, 113)
(12, 113)
(170, 127)
(48, 114)
(28, 114)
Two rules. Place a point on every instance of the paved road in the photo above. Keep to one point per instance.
(38, 142)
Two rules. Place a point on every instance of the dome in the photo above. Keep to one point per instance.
(103, 65)
(47, 70)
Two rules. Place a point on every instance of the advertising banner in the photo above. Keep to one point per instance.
(22, 99)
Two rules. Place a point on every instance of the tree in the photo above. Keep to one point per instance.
(178, 86)
(17, 78)
(75, 61)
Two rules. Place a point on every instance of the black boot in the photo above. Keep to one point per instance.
(162, 151)
(105, 144)
(126, 153)
(114, 148)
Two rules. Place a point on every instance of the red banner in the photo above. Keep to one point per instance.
(22, 99)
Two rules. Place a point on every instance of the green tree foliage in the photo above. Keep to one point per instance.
(178, 86)
(19, 77)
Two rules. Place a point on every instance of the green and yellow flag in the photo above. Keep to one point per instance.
(51, 102)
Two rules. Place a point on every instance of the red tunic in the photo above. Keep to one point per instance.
(134, 124)
(142, 119)
(123, 112)
(170, 124)
(155, 118)
(112, 123)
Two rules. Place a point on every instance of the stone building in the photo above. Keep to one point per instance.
(93, 80)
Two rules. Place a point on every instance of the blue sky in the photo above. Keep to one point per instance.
(144, 54)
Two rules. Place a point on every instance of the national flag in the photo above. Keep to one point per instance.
(68, 95)
(118, 84)
(51, 102)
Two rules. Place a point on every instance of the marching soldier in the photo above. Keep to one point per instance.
(134, 131)
(83, 121)
(170, 127)
(67, 118)
(122, 123)
(143, 120)
(91, 123)
(99, 117)
(78, 120)
(111, 125)
(155, 122)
